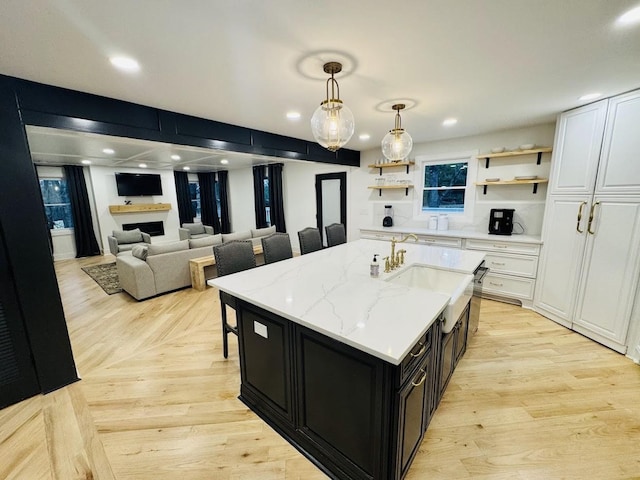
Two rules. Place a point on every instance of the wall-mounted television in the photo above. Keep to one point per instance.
(138, 184)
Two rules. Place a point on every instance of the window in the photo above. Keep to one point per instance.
(57, 205)
(267, 204)
(194, 194)
(444, 186)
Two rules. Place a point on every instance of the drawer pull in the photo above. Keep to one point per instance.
(501, 264)
(495, 284)
(424, 377)
(500, 246)
(416, 355)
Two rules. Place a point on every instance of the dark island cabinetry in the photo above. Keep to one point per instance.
(354, 415)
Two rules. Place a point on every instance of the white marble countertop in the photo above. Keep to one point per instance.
(455, 234)
(331, 292)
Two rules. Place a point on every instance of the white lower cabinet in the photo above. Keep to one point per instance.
(374, 235)
(610, 272)
(440, 241)
(512, 268)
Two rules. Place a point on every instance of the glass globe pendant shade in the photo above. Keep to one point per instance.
(397, 145)
(332, 124)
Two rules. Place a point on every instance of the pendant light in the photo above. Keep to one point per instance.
(332, 123)
(397, 144)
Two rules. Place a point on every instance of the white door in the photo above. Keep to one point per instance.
(577, 149)
(563, 242)
(619, 170)
(611, 270)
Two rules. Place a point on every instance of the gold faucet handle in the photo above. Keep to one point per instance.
(387, 267)
(401, 255)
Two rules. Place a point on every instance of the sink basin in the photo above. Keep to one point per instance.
(458, 286)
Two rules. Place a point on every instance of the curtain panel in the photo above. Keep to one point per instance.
(223, 186)
(259, 172)
(85, 237)
(276, 196)
(185, 207)
(209, 209)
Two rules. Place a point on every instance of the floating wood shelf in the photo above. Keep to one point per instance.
(391, 187)
(140, 208)
(534, 181)
(515, 153)
(380, 166)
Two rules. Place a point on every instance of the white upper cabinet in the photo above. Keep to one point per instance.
(619, 170)
(577, 149)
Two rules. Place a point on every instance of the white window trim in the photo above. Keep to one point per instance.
(468, 156)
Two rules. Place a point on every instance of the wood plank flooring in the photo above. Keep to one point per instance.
(530, 400)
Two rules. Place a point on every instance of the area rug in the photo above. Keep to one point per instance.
(105, 275)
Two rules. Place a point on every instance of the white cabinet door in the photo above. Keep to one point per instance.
(619, 170)
(577, 149)
(611, 271)
(561, 256)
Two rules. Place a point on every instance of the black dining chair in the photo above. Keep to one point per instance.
(310, 240)
(231, 257)
(276, 247)
(335, 234)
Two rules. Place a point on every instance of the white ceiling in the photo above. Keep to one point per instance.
(492, 64)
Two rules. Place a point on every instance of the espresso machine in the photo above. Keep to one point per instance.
(501, 221)
(387, 221)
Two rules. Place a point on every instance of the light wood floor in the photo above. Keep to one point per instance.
(530, 400)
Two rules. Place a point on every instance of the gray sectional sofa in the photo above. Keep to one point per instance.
(149, 270)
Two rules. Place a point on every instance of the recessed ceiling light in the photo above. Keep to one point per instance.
(293, 115)
(224, 161)
(143, 165)
(590, 96)
(126, 64)
(364, 136)
(86, 162)
(108, 151)
(186, 168)
(449, 122)
(175, 157)
(629, 17)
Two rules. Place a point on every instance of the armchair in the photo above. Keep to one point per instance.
(189, 231)
(124, 240)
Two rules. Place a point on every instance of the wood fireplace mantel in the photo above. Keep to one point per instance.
(140, 208)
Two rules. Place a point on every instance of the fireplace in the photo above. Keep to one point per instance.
(152, 228)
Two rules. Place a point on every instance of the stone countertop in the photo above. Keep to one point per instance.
(331, 292)
(455, 234)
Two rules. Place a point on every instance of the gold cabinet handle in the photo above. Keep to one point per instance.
(591, 214)
(424, 377)
(582, 204)
(416, 355)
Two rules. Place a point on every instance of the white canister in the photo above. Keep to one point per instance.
(443, 222)
(433, 222)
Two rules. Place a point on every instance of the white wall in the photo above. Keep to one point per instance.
(369, 206)
(105, 193)
(299, 184)
(241, 205)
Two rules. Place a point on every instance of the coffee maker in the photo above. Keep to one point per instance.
(501, 221)
(387, 221)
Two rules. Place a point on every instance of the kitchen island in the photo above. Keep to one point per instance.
(344, 366)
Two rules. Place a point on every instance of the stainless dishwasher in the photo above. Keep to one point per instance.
(474, 309)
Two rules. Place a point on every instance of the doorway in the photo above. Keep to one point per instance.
(331, 201)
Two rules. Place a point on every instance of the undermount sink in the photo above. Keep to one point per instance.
(458, 286)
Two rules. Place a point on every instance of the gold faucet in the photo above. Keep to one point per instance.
(393, 260)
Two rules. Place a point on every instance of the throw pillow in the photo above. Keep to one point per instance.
(158, 248)
(263, 232)
(139, 251)
(195, 228)
(207, 241)
(128, 236)
(227, 237)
